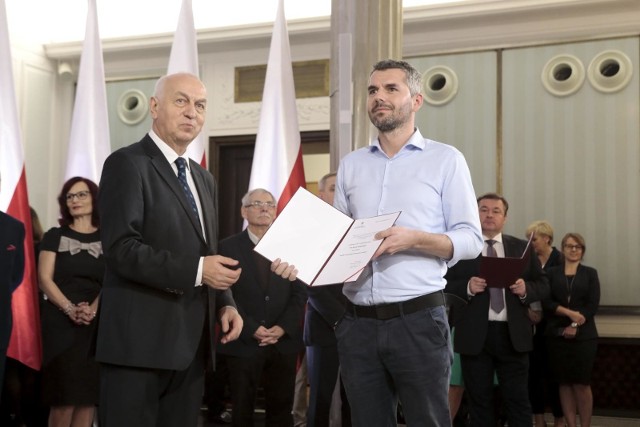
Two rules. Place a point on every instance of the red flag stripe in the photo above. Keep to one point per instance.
(25, 344)
(296, 180)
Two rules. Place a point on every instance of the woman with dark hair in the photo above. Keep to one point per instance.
(70, 269)
(572, 337)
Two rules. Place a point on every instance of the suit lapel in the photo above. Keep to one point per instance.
(159, 162)
(509, 248)
(206, 199)
(248, 263)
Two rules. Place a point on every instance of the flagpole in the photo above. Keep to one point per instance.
(184, 58)
(277, 161)
(89, 141)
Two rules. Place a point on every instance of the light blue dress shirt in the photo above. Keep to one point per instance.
(430, 183)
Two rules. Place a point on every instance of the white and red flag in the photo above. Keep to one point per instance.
(277, 159)
(184, 59)
(89, 144)
(25, 344)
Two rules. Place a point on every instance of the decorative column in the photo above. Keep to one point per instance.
(363, 32)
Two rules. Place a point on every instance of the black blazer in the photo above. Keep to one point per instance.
(11, 270)
(151, 313)
(325, 307)
(472, 320)
(281, 303)
(585, 298)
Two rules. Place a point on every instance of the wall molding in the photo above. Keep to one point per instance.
(459, 26)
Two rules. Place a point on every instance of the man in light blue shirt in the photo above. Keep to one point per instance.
(394, 340)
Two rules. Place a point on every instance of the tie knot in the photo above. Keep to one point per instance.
(181, 163)
(490, 242)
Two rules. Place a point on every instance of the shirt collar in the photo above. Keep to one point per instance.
(415, 142)
(255, 239)
(168, 153)
(497, 238)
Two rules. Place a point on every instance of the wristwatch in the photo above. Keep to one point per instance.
(574, 324)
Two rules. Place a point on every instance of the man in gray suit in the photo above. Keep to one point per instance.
(164, 285)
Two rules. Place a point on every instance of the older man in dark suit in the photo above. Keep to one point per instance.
(272, 309)
(493, 331)
(164, 284)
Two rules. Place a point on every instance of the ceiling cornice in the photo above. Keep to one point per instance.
(459, 26)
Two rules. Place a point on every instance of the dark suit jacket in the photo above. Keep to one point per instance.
(585, 298)
(472, 320)
(151, 313)
(280, 303)
(325, 307)
(11, 270)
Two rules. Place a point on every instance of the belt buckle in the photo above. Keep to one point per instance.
(387, 311)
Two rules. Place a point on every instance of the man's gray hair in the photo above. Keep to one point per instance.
(247, 196)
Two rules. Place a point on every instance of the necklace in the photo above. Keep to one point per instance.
(569, 286)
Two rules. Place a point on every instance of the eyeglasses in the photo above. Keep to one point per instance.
(260, 205)
(573, 247)
(81, 195)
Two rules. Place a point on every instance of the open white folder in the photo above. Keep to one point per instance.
(325, 245)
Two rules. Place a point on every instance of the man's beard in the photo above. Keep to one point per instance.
(390, 122)
(387, 124)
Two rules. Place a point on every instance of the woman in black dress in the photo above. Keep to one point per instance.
(572, 337)
(542, 387)
(70, 269)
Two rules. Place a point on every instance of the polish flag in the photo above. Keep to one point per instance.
(277, 159)
(25, 344)
(184, 59)
(89, 144)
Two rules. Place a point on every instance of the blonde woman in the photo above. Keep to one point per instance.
(543, 389)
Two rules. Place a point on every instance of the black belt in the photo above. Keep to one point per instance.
(389, 311)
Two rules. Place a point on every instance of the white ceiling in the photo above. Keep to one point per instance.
(53, 21)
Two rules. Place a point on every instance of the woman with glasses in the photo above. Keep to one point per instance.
(571, 332)
(70, 270)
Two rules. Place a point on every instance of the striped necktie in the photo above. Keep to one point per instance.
(496, 295)
(182, 177)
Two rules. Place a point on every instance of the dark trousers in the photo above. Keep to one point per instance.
(543, 388)
(278, 372)
(137, 397)
(406, 357)
(323, 368)
(512, 369)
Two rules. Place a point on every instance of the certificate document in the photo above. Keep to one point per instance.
(325, 245)
(503, 272)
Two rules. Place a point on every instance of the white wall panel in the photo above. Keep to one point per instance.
(575, 161)
(468, 121)
(42, 158)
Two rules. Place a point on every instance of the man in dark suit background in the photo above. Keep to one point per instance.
(164, 286)
(11, 274)
(272, 309)
(493, 331)
(325, 307)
